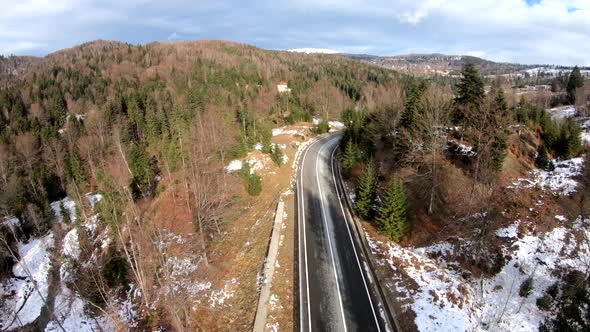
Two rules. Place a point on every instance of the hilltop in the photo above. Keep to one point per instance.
(121, 188)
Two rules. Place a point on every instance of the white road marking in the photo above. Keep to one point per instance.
(317, 173)
(352, 241)
(302, 215)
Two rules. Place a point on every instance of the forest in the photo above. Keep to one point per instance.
(148, 125)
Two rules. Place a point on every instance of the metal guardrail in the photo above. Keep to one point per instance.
(365, 250)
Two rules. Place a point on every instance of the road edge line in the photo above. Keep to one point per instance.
(366, 253)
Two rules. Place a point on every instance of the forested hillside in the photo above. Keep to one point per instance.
(122, 149)
(487, 193)
(138, 182)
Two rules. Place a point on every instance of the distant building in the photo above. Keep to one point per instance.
(283, 88)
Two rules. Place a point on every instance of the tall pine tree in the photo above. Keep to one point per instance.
(393, 215)
(575, 81)
(470, 93)
(349, 156)
(365, 196)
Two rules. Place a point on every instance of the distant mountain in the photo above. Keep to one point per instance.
(14, 66)
(314, 50)
(441, 64)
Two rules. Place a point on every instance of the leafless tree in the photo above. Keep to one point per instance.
(432, 112)
(7, 160)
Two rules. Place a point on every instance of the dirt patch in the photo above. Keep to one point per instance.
(281, 311)
(236, 258)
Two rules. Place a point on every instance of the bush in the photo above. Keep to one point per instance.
(498, 263)
(542, 161)
(544, 302)
(526, 287)
(499, 152)
(276, 154)
(114, 268)
(252, 182)
(321, 128)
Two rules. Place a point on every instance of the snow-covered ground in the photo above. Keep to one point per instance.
(439, 299)
(24, 295)
(285, 131)
(445, 301)
(444, 298)
(560, 180)
(562, 112)
(552, 71)
(460, 149)
(70, 311)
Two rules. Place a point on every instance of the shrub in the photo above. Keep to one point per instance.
(526, 287)
(542, 160)
(276, 154)
(252, 181)
(544, 302)
(114, 268)
(321, 128)
(253, 184)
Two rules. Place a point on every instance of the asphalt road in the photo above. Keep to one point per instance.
(334, 293)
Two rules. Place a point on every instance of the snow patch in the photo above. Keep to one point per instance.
(67, 204)
(22, 301)
(219, 297)
(310, 50)
(510, 232)
(559, 180)
(234, 165)
(71, 245)
(562, 112)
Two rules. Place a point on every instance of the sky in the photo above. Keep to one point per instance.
(524, 31)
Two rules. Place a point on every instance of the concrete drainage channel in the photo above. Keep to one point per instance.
(269, 269)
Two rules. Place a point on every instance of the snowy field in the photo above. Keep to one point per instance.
(561, 180)
(445, 299)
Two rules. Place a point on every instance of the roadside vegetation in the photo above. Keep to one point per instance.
(434, 165)
(150, 129)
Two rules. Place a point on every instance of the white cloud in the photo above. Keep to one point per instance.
(504, 30)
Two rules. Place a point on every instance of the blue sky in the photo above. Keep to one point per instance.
(526, 31)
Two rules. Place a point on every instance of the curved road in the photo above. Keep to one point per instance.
(333, 289)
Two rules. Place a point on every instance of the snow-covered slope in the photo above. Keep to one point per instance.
(314, 50)
(444, 297)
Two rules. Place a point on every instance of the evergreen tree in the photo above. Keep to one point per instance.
(277, 155)
(407, 116)
(252, 181)
(143, 169)
(575, 81)
(542, 160)
(266, 140)
(349, 156)
(74, 169)
(569, 143)
(65, 213)
(500, 103)
(550, 131)
(366, 191)
(499, 151)
(470, 93)
(393, 214)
